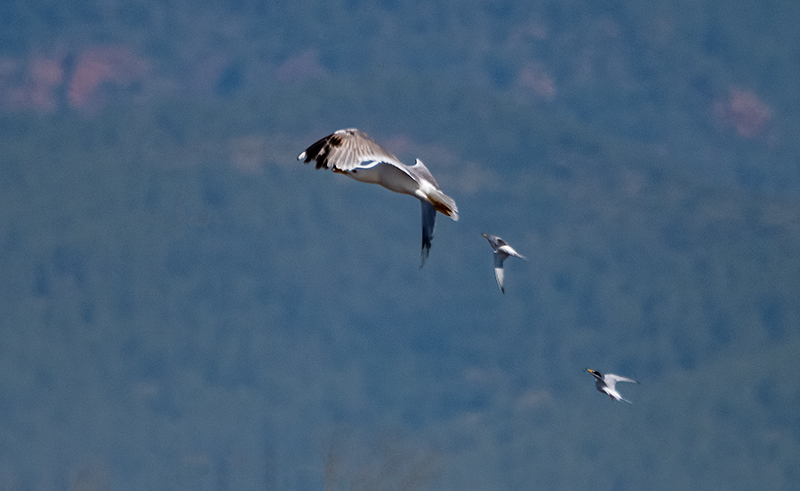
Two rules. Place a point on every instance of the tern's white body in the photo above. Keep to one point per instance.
(502, 251)
(355, 154)
(607, 384)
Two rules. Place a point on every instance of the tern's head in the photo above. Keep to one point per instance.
(595, 373)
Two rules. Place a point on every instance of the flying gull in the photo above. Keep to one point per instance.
(353, 153)
(607, 384)
(502, 251)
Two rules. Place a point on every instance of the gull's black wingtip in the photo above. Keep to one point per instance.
(425, 253)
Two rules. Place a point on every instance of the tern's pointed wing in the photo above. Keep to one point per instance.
(498, 271)
(510, 251)
(611, 380)
(428, 224)
(346, 150)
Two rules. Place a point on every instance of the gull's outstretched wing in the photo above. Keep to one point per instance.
(428, 224)
(345, 150)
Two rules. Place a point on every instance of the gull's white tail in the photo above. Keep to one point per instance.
(443, 203)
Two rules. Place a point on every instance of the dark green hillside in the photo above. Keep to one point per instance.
(183, 305)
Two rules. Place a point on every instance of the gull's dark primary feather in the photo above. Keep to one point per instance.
(428, 225)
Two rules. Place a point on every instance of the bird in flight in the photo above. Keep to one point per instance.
(607, 384)
(353, 153)
(502, 251)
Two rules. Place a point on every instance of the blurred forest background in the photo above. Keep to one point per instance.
(185, 306)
